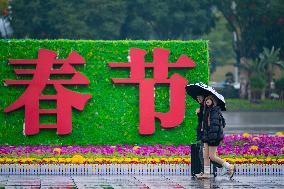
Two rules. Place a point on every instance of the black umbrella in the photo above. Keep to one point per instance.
(201, 89)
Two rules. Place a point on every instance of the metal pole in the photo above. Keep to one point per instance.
(237, 58)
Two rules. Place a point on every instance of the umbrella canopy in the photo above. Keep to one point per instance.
(201, 89)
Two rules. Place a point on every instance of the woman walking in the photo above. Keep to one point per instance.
(210, 125)
(199, 135)
(212, 130)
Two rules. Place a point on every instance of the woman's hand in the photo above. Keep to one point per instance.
(197, 110)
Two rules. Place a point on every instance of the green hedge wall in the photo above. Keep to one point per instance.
(111, 116)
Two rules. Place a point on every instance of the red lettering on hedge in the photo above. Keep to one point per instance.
(65, 99)
(176, 83)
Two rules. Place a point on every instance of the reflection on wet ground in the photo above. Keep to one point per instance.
(133, 182)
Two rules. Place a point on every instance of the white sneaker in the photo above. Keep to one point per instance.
(231, 171)
(224, 171)
(204, 176)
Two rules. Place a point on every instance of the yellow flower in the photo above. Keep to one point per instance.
(246, 135)
(156, 160)
(226, 159)
(57, 150)
(68, 160)
(170, 159)
(177, 159)
(99, 160)
(135, 159)
(78, 159)
(282, 148)
(8, 160)
(187, 160)
(279, 134)
(268, 159)
(127, 160)
(120, 160)
(53, 160)
(136, 147)
(62, 160)
(254, 148)
(46, 160)
(253, 160)
(89, 160)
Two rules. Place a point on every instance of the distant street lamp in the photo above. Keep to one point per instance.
(237, 58)
(235, 45)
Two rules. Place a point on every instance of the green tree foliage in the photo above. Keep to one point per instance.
(169, 19)
(261, 70)
(92, 19)
(257, 85)
(269, 60)
(256, 79)
(108, 19)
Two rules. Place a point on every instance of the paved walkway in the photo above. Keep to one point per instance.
(141, 182)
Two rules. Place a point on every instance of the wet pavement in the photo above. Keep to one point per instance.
(141, 182)
(254, 122)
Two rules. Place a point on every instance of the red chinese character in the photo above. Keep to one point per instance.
(65, 99)
(177, 84)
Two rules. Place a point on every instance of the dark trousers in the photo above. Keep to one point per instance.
(197, 163)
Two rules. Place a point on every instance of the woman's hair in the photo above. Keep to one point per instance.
(207, 109)
(211, 97)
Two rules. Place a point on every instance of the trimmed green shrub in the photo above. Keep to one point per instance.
(112, 115)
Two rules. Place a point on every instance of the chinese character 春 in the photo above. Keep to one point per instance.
(65, 99)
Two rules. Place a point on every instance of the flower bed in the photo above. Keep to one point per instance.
(245, 148)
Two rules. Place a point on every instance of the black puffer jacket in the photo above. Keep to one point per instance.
(212, 131)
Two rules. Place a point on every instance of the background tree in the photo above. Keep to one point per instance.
(168, 19)
(255, 24)
(96, 19)
(261, 72)
(256, 85)
(89, 19)
(269, 60)
(104, 18)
